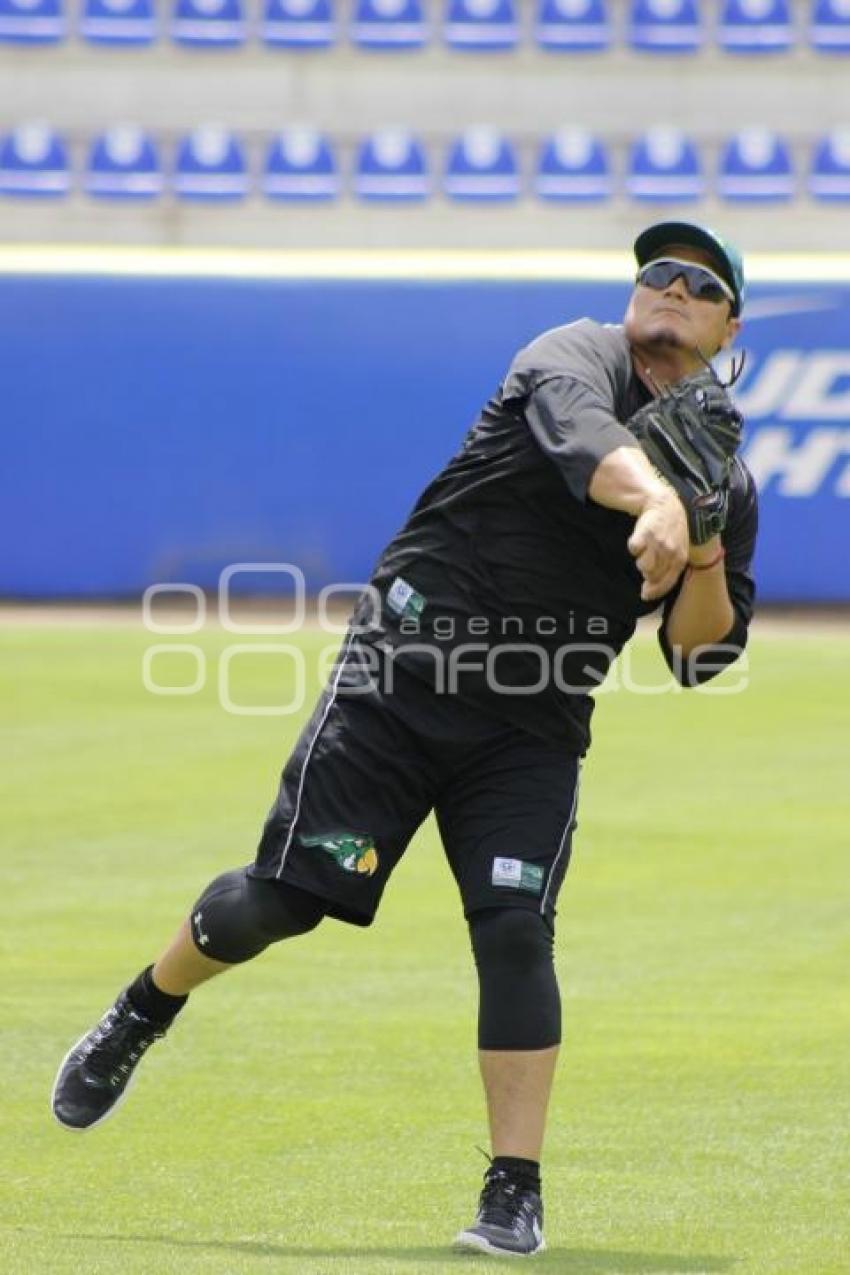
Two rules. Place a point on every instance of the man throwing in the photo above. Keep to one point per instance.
(600, 482)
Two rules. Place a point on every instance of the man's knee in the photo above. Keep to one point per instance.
(514, 940)
(238, 916)
(520, 1006)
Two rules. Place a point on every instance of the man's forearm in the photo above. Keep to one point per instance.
(703, 612)
(625, 480)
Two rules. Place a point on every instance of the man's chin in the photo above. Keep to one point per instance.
(663, 336)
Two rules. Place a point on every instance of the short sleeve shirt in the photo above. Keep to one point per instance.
(508, 585)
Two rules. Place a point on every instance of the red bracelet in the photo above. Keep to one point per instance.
(706, 566)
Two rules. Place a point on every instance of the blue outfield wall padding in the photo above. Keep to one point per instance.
(159, 430)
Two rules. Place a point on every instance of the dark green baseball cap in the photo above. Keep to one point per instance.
(730, 266)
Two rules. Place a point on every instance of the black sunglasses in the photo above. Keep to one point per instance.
(700, 282)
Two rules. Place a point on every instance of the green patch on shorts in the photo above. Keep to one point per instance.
(514, 874)
(353, 851)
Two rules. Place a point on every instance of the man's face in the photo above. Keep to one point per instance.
(672, 318)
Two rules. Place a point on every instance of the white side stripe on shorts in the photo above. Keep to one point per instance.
(566, 834)
(343, 657)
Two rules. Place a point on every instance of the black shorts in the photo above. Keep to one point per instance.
(374, 760)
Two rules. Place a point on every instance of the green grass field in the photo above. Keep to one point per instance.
(318, 1110)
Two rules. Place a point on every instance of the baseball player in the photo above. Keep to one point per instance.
(600, 482)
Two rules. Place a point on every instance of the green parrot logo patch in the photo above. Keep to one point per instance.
(353, 851)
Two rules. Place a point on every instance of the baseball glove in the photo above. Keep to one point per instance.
(690, 433)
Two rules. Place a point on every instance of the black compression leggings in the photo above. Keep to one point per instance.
(520, 1005)
(238, 916)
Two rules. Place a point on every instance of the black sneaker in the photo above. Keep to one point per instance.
(96, 1072)
(509, 1221)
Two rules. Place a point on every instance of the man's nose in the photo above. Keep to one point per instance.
(678, 286)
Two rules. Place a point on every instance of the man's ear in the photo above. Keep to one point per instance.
(733, 327)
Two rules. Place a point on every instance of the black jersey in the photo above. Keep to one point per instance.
(508, 585)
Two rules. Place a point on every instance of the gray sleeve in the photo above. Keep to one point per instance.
(575, 428)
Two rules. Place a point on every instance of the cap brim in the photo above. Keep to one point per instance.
(652, 240)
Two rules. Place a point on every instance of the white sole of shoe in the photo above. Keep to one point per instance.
(74, 1128)
(469, 1242)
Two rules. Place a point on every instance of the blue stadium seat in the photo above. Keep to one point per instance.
(300, 165)
(755, 166)
(665, 167)
(573, 26)
(123, 163)
(481, 166)
(298, 24)
(755, 26)
(829, 175)
(389, 24)
(34, 163)
(829, 31)
(209, 24)
(665, 26)
(118, 22)
(392, 165)
(485, 25)
(573, 165)
(32, 21)
(210, 165)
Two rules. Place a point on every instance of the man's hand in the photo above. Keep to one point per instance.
(659, 543)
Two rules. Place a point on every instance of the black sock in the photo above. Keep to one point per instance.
(525, 1172)
(154, 1004)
